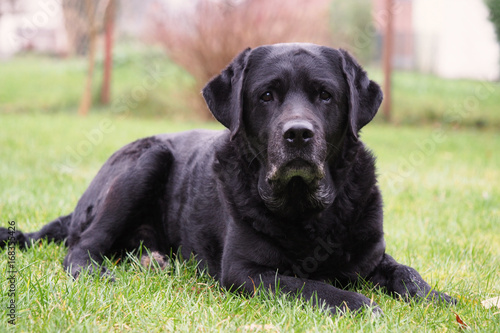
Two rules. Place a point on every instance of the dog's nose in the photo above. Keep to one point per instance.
(297, 133)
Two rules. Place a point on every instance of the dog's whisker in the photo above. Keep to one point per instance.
(335, 148)
(255, 157)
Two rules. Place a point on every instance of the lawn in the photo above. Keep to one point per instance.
(441, 188)
(146, 83)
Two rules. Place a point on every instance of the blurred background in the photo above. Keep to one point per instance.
(81, 78)
(438, 61)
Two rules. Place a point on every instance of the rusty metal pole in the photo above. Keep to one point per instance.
(387, 60)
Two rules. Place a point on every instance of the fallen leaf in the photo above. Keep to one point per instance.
(460, 322)
(491, 302)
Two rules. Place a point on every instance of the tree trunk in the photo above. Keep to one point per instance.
(388, 41)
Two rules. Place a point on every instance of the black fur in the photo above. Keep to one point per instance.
(287, 195)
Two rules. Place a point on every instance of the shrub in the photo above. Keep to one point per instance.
(494, 8)
(352, 27)
(204, 40)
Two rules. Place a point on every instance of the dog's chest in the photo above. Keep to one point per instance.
(314, 254)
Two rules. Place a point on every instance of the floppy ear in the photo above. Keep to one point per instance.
(365, 95)
(223, 93)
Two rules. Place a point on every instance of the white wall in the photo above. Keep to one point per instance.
(35, 24)
(455, 39)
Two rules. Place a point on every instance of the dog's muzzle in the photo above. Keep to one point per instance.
(297, 155)
(299, 168)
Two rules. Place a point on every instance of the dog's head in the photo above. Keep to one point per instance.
(294, 104)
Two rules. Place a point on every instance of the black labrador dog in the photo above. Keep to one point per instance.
(286, 198)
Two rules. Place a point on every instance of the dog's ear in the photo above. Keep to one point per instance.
(365, 95)
(223, 93)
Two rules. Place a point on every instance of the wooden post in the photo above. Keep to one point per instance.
(108, 52)
(387, 60)
(86, 101)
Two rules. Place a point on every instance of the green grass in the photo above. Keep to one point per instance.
(36, 84)
(427, 99)
(442, 216)
(144, 82)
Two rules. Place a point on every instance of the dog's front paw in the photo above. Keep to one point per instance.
(357, 303)
(441, 297)
(91, 270)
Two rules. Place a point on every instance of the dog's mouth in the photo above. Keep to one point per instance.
(296, 187)
(295, 169)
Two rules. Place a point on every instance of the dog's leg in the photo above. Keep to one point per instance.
(335, 300)
(132, 198)
(404, 281)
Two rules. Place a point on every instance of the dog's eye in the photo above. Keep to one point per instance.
(325, 95)
(267, 96)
